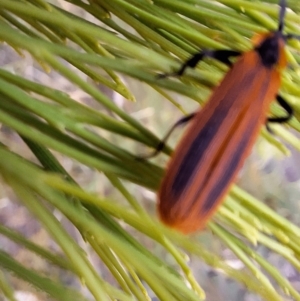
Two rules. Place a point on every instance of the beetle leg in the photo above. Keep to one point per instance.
(220, 55)
(162, 143)
(288, 109)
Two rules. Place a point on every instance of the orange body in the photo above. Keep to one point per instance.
(218, 140)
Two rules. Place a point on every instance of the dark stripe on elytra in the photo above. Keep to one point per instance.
(197, 149)
(227, 175)
(231, 167)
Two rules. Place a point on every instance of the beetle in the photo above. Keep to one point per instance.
(221, 135)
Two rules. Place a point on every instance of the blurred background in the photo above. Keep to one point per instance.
(267, 174)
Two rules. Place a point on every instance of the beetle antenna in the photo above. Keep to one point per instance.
(282, 4)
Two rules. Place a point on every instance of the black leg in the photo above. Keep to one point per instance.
(291, 36)
(162, 144)
(220, 55)
(288, 109)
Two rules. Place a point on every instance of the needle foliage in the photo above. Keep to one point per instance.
(137, 39)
